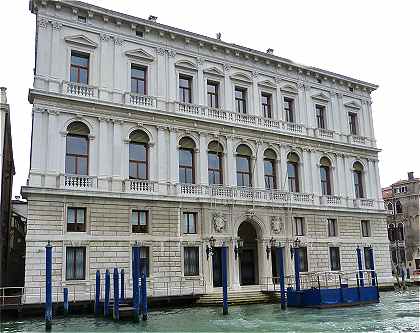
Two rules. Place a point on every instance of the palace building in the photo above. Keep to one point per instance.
(147, 133)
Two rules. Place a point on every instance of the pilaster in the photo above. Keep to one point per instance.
(228, 88)
(203, 160)
(230, 162)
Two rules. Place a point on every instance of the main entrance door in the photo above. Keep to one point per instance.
(217, 267)
(248, 256)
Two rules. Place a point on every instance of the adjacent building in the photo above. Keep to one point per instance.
(147, 133)
(402, 201)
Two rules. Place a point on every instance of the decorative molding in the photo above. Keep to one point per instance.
(139, 54)
(213, 71)
(227, 67)
(118, 41)
(186, 64)
(43, 23)
(105, 37)
(200, 61)
(160, 51)
(219, 222)
(81, 40)
(56, 25)
(321, 96)
(277, 225)
(171, 53)
(352, 104)
(255, 74)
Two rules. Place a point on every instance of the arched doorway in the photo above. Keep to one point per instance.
(248, 256)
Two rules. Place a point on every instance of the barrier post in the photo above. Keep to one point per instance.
(224, 279)
(372, 266)
(359, 266)
(116, 312)
(297, 268)
(107, 290)
(66, 301)
(48, 286)
(281, 275)
(122, 297)
(136, 303)
(144, 296)
(97, 292)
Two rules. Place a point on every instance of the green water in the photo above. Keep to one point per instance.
(398, 311)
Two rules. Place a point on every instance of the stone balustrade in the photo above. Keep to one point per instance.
(78, 182)
(79, 89)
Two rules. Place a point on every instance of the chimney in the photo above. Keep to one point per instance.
(152, 18)
(3, 95)
(410, 175)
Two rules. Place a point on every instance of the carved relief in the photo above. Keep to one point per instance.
(277, 225)
(43, 23)
(219, 222)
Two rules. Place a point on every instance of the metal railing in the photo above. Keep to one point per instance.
(11, 296)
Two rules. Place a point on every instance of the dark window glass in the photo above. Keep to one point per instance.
(76, 219)
(325, 180)
(289, 109)
(140, 221)
(79, 67)
(269, 174)
(368, 263)
(190, 223)
(243, 170)
(303, 255)
(77, 154)
(191, 261)
(293, 177)
(81, 18)
(185, 89)
(353, 123)
(240, 100)
(138, 155)
(335, 258)
(299, 226)
(358, 183)
(75, 263)
(391, 233)
(138, 79)
(398, 207)
(186, 166)
(332, 228)
(365, 228)
(139, 33)
(212, 94)
(266, 105)
(400, 232)
(320, 116)
(144, 266)
(215, 168)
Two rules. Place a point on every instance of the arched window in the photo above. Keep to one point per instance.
(139, 155)
(398, 207)
(243, 166)
(186, 161)
(270, 169)
(325, 173)
(215, 163)
(77, 149)
(389, 206)
(293, 172)
(391, 232)
(400, 232)
(358, 179)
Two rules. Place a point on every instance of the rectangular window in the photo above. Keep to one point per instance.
(293, 176)
(269, 174)
(240, 100)
(186, 166)
(332, 228)
(140, 221)
(138, 156)
(303, 255)
(139, 33)
(215, 168)
(79, 67)
(76, 219)
(243, 171)
(289, 109)
(335, 258)
(191, 261)
(212, 94)
(81, 18)
(185, 89)
(320, 116)
(366, 228)
(353, 123)
(368, 263)
(190, 223)
(138, 79)
(75, 263)
(266, 105)
(299, 226)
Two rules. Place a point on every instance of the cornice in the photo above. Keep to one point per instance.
(215, 45)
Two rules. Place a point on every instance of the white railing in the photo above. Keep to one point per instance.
(188, 108)
(367, 202)
(324, 133)
(138, 185)
(359, 139)
(79, 182)
(331, 200)
(190, 190)
(140, 100)
(80, 89)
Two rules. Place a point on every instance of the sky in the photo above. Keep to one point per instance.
(374, 41)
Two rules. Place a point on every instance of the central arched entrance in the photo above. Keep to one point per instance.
(248, 256)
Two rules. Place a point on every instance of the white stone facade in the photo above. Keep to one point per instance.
(112, 112)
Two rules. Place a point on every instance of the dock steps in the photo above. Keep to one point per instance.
(236, 298)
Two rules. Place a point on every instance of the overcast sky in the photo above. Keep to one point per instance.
(374, 41)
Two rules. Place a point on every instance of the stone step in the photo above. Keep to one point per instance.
(238, 298)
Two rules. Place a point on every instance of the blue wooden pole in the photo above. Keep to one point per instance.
(66, 300)
(279, 256)
(48, 287)
(372, 266)
(122, 298)
(97, 292)
(116, 279)
(144, 296)
(359, 265)
(107, 290)
(297, 268)
(136, 303)
(224, 279)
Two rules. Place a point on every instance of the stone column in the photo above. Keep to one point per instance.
(336, 181)
(173, 174)
(52, 150)
(305, 172)
(117, 156)
(255, 110)
(162, 73)
(335, 113)
(228, 89)
(162, 155)
(259, 167)
(278, 112)
(203, 160)
(344, 131)
(200, 82)
(104, 158)
(349, 177)
(234, 266)
(300, 111)
(153, 167)
(283, 184)
(120, 84)
(57, 61)
(44, 42)
(230, 170)
(106, 54)
(172, 79)
(314, 158)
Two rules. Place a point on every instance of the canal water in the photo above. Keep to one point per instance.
(397, 312)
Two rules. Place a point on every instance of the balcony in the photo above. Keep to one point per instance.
(78, 182)
(79, 89)
(140, 100)
(139, 186)
(330, 200)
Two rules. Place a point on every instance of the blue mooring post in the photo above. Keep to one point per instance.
(372, 266)
(359, 265)
(224, 279)
(97, 292)
(116, 279)
(143, 296)
(107, 290)
(122, 297)
(48, 286)
(136, 303)
(297, 268)
(66, 301)
(279, 255)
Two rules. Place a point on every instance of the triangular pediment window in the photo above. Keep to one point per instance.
(81, 40)
(139, 54)
(352, 105)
